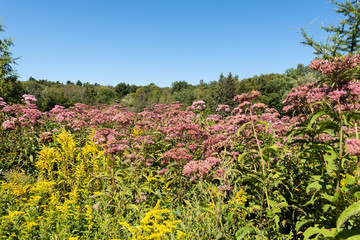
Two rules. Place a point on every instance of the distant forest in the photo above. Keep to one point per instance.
(274, 87)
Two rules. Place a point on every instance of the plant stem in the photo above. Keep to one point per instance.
(261, 156)
(340, 153)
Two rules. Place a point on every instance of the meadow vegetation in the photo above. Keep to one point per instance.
(105, 172)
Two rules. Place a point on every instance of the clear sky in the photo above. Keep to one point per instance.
(159, 41)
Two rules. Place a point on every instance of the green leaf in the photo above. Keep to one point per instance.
(354, 115)
(352, 210)
(267, 125)
(252, 151)
(330, 161)
(355, 237)
(349, 234)
(350, 180)
(273, 148)
(243, 232)
(133, 207)
(301, 223)
(316, 116)
(315, 185)
(208, 210)
(329, 197)
(315, 230)
(243, 127)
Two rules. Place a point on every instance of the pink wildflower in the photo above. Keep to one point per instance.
(177, 154)
(200, 168)
(162, 171)
(197, 106)
(115, 148)
(141, 198)
(223, 108)
(8, 125)
(29, 98)
(353, 146)
(336, 95)
(259, 106)
(336, 65)
(2, 103)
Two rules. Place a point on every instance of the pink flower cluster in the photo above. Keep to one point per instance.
(246, 96)
(353, 146)
(8, 125)
(200, 168)
(335, 96)
(223, 108)
(115, 148)
(177, 154)
(2, 103)
(336, 65)
(304, 95)
(197, 106)
(28, 99)
(104, 135)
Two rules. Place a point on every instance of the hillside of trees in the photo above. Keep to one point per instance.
(274, 87)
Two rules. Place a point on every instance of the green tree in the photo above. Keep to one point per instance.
(106, 95)
(343, 38)
(295, 73)
(273, 88)
(10, 88)
(79, 83)
(89, 94)
(226, 90)
(177, 86)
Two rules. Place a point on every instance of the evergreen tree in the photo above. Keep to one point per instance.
(343, 38)
(226, 89)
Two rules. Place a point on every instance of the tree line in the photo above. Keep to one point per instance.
(274, 88)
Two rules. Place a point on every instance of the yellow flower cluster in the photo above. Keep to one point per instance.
(136, 132)
(154, 225)
(16, 184)
(73, 165)
(239, 198)
(46, 160)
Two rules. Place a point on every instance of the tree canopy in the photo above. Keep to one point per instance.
(343, 38)
(10, 88)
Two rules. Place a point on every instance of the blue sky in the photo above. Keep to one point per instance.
(159, 41)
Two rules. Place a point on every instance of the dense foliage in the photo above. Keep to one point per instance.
(274, 88)
(105, 172)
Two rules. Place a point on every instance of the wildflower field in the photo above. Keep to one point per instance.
(104, 172)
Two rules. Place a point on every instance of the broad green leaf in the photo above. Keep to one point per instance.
(350, 180)
(301, 223)
(356, 237)
(329, 197)
(315, 230)
(273, 148)
(315, 117)
(352, 210)
(352, 234)
(354, 115)
(243, 232)
(330, 161)
(315, 185)
(252, 151)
